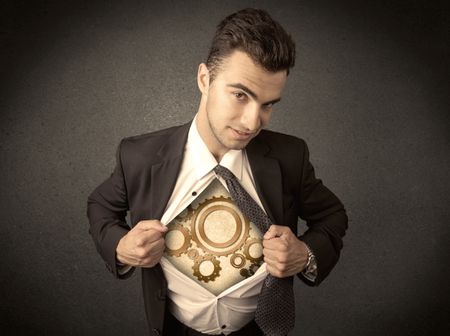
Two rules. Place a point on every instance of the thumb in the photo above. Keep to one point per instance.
(275, 231)
(154, 224)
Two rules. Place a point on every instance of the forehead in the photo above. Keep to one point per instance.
(240, 68)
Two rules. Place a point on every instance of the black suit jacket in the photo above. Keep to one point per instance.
(146, 173)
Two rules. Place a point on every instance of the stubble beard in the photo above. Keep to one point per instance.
(221, 140)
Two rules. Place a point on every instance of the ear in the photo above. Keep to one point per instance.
(203, 78)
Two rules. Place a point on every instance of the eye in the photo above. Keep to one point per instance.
(240, 95)
(267, 106)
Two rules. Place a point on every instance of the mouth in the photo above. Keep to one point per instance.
(241, 135)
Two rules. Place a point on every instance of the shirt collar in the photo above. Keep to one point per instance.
(204, 162)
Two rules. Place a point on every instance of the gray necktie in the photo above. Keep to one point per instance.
(275, 312)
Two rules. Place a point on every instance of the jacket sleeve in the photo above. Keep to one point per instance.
(325, 217)
(107, 207)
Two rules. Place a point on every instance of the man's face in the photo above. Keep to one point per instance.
(238, 103)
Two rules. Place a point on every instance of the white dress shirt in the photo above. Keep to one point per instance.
(190, 303)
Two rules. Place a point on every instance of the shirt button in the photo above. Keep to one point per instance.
(224, 326)
(194, 193)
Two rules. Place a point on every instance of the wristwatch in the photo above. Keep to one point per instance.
(310, 271)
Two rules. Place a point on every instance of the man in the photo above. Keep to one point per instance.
(158, 174)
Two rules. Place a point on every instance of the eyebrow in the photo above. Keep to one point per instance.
(251, 93)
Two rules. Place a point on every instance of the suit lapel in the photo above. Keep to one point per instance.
(267, 174)
(165, 173)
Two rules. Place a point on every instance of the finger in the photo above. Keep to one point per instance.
(275, 256)
(274, 271)
(280, 264)
(156, 247)
(269, 259)
(143, 238)
(145, 253)
(153, 224)
(275, 244)
(276, 231)
(152, 260)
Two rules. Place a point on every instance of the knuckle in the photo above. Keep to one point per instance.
(282, 259)
(140, 223)
(141, 252)
(162, 244)
(157, 247)
(139, 241)
(160, 250)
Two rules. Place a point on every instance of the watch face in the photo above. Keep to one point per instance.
(311, 265)
(212, 242)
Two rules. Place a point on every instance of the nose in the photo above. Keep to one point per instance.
(251, 118)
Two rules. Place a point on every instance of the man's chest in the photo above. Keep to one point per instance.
(212, 242)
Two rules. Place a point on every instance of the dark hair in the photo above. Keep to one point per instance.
(254, 32)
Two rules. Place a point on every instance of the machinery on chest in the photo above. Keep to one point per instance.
(212, 242)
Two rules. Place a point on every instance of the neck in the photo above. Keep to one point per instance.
(207, 136)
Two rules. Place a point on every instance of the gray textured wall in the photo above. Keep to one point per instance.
(369, 94)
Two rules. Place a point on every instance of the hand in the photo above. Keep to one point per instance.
(143, 245)
(284, 253)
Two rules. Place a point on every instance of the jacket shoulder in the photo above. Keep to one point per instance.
(151, 136)
(146, 146)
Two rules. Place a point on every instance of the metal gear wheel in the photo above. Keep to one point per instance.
(187, 240)
(247, 246)
(185, 215)
(245, 273)
(248, 272)
(206, 258)
(192, 254)
(240, 260)
(200, 236)
(253, 268)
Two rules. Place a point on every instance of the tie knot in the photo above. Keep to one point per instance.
(224, 172)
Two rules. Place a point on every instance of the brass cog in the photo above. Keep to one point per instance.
(248, 272)
(253, 268)
(245, 273)
(199, 235)
(247, 246)
(192, 254)
(185, 215)
(213, 275)
(238, 256)
(186, 243)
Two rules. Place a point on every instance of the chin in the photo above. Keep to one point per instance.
(239, 145)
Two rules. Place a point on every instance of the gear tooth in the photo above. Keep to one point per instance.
(247, 245)
(213, 275)
(233, 260)
(187, 240)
